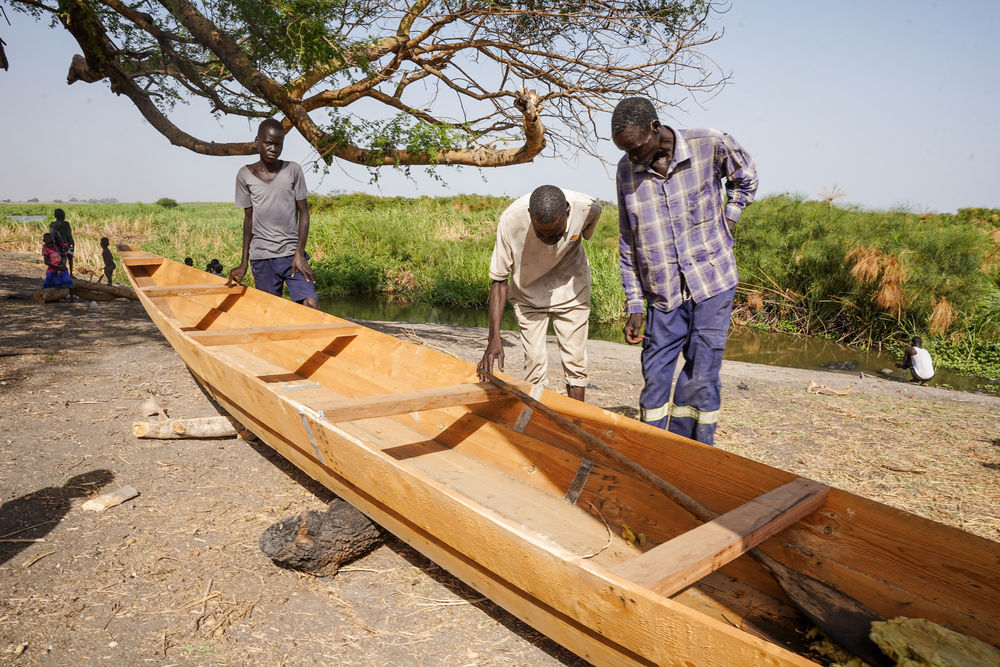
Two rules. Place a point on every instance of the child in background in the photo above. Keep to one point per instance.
(109, 260)
(53, 254)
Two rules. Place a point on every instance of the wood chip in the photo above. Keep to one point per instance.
(106, 500)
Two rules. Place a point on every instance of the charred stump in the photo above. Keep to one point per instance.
(320, 542)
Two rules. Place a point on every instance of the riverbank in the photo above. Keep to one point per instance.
(175, 574)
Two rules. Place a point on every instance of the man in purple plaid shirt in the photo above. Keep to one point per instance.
(677, 257)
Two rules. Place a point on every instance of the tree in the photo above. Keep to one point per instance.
(392, 82)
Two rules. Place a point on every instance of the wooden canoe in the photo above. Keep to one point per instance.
(527, 515)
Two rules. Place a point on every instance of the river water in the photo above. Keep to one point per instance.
(744, 344)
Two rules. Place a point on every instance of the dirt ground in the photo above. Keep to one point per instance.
(175, 576)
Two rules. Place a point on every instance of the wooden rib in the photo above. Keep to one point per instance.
(186, 290)
(386, 405)
(243, 335)
(680, 562)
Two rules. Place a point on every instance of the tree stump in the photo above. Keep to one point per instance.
(320, 542)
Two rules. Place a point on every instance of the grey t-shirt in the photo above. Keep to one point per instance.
(275, 218)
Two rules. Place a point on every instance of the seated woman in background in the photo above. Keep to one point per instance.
(54, 256)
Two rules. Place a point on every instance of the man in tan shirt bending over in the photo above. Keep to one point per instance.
(539, 249)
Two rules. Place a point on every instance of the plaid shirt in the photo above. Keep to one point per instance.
(674, 229)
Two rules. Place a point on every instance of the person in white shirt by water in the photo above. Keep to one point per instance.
(918, 360)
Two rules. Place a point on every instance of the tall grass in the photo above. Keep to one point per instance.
(865, 276)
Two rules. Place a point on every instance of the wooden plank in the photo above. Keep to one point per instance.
(240, 336)
(386, 405)
(189, 290)
(678, 563)
(149, 260)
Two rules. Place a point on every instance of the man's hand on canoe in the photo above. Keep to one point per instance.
(236, 275)
(494, 352)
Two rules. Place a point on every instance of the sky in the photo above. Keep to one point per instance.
(892, 103)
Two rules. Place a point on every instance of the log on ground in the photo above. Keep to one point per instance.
(92, 295)
(115, 291)
(200, 427)
(320, 542)
(47, 294)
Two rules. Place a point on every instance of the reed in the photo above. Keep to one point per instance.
(864, 275)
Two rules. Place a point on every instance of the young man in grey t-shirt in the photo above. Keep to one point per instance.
(273, 194)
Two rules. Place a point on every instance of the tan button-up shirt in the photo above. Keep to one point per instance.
(545, 276)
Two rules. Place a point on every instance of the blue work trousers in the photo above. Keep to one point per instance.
(699, 330)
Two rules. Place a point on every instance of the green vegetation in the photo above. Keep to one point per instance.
(166, 202)
(435, 250)
(866, 278)
(874, 278)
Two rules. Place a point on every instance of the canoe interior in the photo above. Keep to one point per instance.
(481, 480)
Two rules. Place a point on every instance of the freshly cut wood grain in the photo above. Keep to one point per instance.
(424, 482)
(255, 334)
(678, 563)
(385, 405)
(191, 290)
(106, 500)
(201, 427)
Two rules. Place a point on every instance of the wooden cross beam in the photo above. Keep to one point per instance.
(241, 336)
(680, 562)
(386, 405)
(191, 290)
(141, 260)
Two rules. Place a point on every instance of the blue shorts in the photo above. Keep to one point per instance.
(270, 275)
(58, 279)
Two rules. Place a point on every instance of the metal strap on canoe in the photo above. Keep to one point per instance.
(305, 414)
(312, 437)
(526, 412)
(579, 481)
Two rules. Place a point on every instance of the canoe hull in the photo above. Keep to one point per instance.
(422, 476)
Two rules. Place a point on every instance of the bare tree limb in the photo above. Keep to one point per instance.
(394, 82)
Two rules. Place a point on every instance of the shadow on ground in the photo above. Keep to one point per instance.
(29, 518)
(50, 328)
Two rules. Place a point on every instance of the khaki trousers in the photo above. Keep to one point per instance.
(571, 327)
